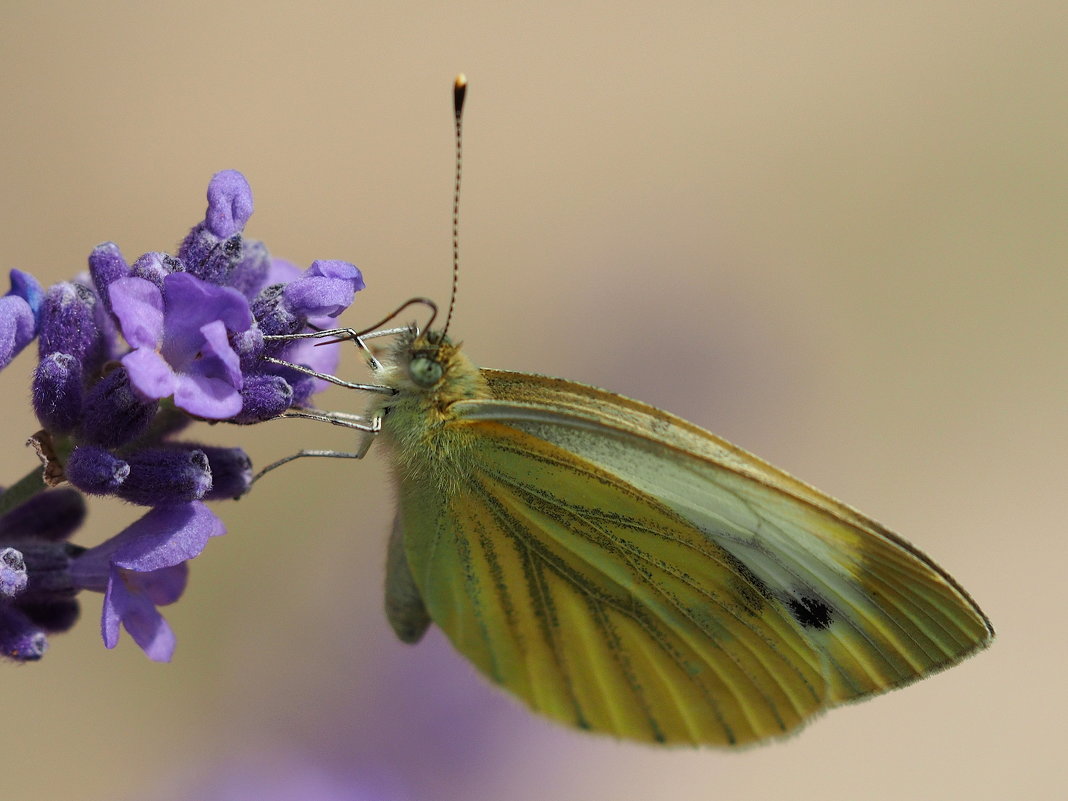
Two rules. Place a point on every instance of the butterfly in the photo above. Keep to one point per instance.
(625, 572)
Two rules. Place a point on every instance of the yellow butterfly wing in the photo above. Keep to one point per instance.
(626, 572)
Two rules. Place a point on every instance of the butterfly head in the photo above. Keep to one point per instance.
(429, 364)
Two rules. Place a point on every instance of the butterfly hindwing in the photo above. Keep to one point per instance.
(405, 610)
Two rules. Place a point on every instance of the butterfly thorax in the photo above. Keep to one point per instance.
(429, 374)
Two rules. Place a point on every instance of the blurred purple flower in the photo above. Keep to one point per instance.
(36, 593)
(143, 567)
(277, 775)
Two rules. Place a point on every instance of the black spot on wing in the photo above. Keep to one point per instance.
(811, 611)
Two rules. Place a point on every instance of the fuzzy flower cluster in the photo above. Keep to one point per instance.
(129, 355)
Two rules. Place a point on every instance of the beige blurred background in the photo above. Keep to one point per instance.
(833, 233)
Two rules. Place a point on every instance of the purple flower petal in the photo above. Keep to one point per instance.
(190, 305)
(138, 614)
(283, 271)
(115, 596)
(321, 358)
(165, 586)
(339, 270)
(150, 374)
(139, 306)
(148, 629)
(164, 537)
(250, 274)
(211, 398)
(229, 203)
(218, 357)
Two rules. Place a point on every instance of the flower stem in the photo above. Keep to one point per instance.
(20, 492)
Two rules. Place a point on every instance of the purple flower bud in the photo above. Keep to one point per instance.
(271, 314)
(17, 327)
(249, 347)
(57, 392)
(231, 471)
(28, 288)
(155, 267)
(53, 616)
(304, 386)
(207, 256)
(48, 567)
(106, 264)
(322, 358)
(13, 577)
(52, 516)
(113, 413)
(325, 290)
(263, 397)
(252, 271)
(68, 323)
(159, 476)
(20, 639)
(96, 471)
(229, 203)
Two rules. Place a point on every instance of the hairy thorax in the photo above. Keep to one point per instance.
(418, 424)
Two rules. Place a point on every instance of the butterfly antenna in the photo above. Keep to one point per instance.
(459, 91)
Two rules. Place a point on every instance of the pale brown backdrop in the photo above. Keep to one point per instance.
(831, 232)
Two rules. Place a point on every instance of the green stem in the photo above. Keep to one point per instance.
(20, 492)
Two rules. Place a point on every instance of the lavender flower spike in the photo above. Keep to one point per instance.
(143, 567)
(181, 341)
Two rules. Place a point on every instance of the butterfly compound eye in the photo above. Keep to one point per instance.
(425, 372)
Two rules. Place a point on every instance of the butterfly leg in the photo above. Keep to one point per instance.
(339, 335)
(333, 379)
(368, 426)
